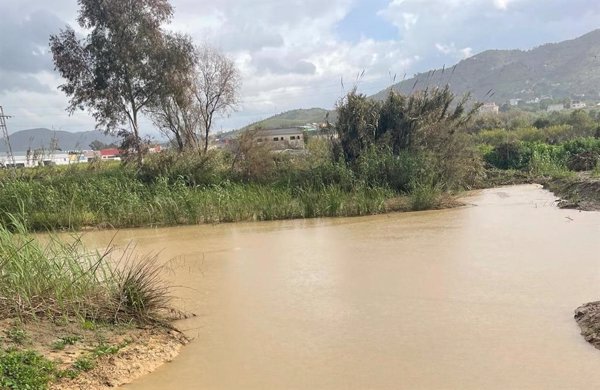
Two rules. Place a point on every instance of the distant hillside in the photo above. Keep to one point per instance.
(42, 138)
(292, 118)
(561, 70)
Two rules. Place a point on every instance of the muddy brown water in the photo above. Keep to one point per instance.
(480, 297)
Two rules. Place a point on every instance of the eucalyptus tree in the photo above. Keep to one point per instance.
(116, 68)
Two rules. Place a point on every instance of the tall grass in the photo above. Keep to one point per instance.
(120, 199)
(61, 279)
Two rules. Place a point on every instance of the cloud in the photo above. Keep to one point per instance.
(451, 50)
(11, 81)
(501, 4)
(295, 53)
(409, 20)
(24, 43)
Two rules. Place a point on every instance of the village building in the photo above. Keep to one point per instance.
(578, 105)
(489, 108)
(110, 154)
(281, 139)
(555, 107)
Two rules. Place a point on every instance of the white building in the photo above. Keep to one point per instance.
(514, 102)
(555, 107)
(578, 105)
(281, 139)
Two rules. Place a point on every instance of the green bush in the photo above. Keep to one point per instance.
(509, 155)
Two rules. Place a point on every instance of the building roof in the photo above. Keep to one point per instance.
(276, 132)
(110, 152)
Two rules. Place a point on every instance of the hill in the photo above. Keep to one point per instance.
(292, 118)
(569, 69)
(42, 138)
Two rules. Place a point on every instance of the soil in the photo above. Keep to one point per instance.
(581, 192)
(588, 318)
(137, 351)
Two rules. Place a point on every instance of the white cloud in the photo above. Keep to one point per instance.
(452, 51)
(502, 4)
(289, 52)
(410, 20)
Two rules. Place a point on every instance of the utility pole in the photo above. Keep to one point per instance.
(4, 130)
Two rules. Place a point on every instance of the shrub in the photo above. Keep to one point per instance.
(509, 155)
(191, 167)
(141, 293)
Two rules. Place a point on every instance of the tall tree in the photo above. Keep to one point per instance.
(217, 86)
(117, 69)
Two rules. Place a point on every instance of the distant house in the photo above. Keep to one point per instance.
(514, 102)
(110, 154)
(578, 105)
(555, 107)
(489, 108)
(281, 139)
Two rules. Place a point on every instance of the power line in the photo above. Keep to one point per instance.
(4, 130)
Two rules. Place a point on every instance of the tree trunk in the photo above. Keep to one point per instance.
(136, 139)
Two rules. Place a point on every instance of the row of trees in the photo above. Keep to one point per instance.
(128, 65)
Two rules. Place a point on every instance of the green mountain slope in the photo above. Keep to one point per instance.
(292, 118)
(561, 70)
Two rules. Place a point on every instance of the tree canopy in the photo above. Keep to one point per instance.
(118, 68)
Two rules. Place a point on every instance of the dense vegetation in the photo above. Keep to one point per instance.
(543, 146)
(413, 147)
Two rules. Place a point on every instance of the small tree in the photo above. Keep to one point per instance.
(118, 68)
(217, 86)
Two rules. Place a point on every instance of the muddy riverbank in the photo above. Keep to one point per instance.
(581, 192)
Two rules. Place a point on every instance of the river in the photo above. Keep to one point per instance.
(479, 297)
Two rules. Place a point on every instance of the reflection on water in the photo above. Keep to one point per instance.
(474, 298)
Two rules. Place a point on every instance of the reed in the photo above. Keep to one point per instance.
(58, 278)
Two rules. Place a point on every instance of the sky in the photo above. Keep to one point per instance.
(291, 53)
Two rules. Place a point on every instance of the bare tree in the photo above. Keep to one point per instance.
(217, 86)
(176, 111)
(117, 69)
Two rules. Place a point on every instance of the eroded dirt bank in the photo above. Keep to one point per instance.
(581, 192)
(588, 319)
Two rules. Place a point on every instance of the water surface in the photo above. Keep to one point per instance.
(480, 297)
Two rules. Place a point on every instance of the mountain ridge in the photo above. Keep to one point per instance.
(41, 138)
(559, 70)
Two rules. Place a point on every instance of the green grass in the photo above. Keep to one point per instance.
(84, 363)
(61, 343)
(16, 335)
(25, 370)
(58, 279)
(117, 198)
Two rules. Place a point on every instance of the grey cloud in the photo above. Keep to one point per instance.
(284, 66)
(252, 38)
(24, 42)
(13, 82)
